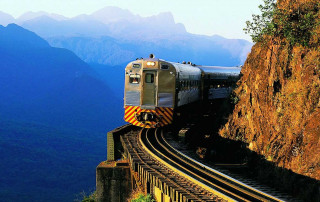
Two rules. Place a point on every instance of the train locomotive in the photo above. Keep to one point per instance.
(155, 89)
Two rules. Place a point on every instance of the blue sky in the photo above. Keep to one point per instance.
(223, 17)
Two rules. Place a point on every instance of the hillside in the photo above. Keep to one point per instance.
(51, 85)
(42, 163)
(278, 110)
(54, 113)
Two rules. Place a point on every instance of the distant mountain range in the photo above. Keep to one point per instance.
(114, 36)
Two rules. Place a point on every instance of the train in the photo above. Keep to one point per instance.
(156, 89)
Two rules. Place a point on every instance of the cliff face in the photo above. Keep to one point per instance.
(278, 112)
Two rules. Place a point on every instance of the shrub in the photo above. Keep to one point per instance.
(86, 198)
(295, 24)
(143, 198)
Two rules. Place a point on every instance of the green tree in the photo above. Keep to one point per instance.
(262, 24)
(143, 198)
(294, 23)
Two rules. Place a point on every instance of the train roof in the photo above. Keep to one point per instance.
(185, 68)
(220, 70)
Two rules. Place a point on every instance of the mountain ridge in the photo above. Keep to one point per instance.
(115, 36)
(32, 70)
(54, 112)
(278, 108)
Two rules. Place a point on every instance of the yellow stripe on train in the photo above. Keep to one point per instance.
(164, 116)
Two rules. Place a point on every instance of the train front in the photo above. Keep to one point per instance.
(149, 93)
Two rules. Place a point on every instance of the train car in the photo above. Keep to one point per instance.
(155, 89)
(218, 81)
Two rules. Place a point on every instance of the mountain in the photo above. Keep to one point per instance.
(110, 21)
(14, 37)
(238, 48)
(125, 24)
(46, 26)
(6, 19)
(43, 163)
(54, 112)
(52, 82)
(31, 15)
(114, 36)
(278, 110)
(199, 50)
(112, 14)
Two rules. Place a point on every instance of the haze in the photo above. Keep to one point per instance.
(208, 17)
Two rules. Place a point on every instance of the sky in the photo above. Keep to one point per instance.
(207, 17)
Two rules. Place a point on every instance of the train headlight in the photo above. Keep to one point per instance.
(151, 63)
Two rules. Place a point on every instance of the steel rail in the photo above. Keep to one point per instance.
(180, 172)
(222, 178)
(141, 146)
(268, 196)
(159, 173)
(198, 175)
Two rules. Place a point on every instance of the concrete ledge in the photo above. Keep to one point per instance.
(113, 181)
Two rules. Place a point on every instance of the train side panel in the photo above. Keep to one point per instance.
(218, 82)
(188, 84)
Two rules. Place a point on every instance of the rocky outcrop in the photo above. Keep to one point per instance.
(278, 109)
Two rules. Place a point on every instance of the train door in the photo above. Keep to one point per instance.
(149, 88)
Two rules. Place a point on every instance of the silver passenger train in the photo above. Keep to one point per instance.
(155, 89)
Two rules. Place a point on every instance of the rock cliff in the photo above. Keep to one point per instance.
(278, 108)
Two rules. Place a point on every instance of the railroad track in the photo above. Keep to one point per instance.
(180, 177)
(178, 187)
(235, 171)
(202, 176)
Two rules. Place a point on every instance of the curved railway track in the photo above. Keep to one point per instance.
(202, 176)
(161, 175)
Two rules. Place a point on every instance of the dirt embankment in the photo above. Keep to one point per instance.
(278, 112)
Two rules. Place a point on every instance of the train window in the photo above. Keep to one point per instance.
(165, 67)
(149, 78)
(136, 65)
(134, 79)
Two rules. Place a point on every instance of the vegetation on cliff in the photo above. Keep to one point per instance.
(294, 24)
(139, 196)
(278, 108)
